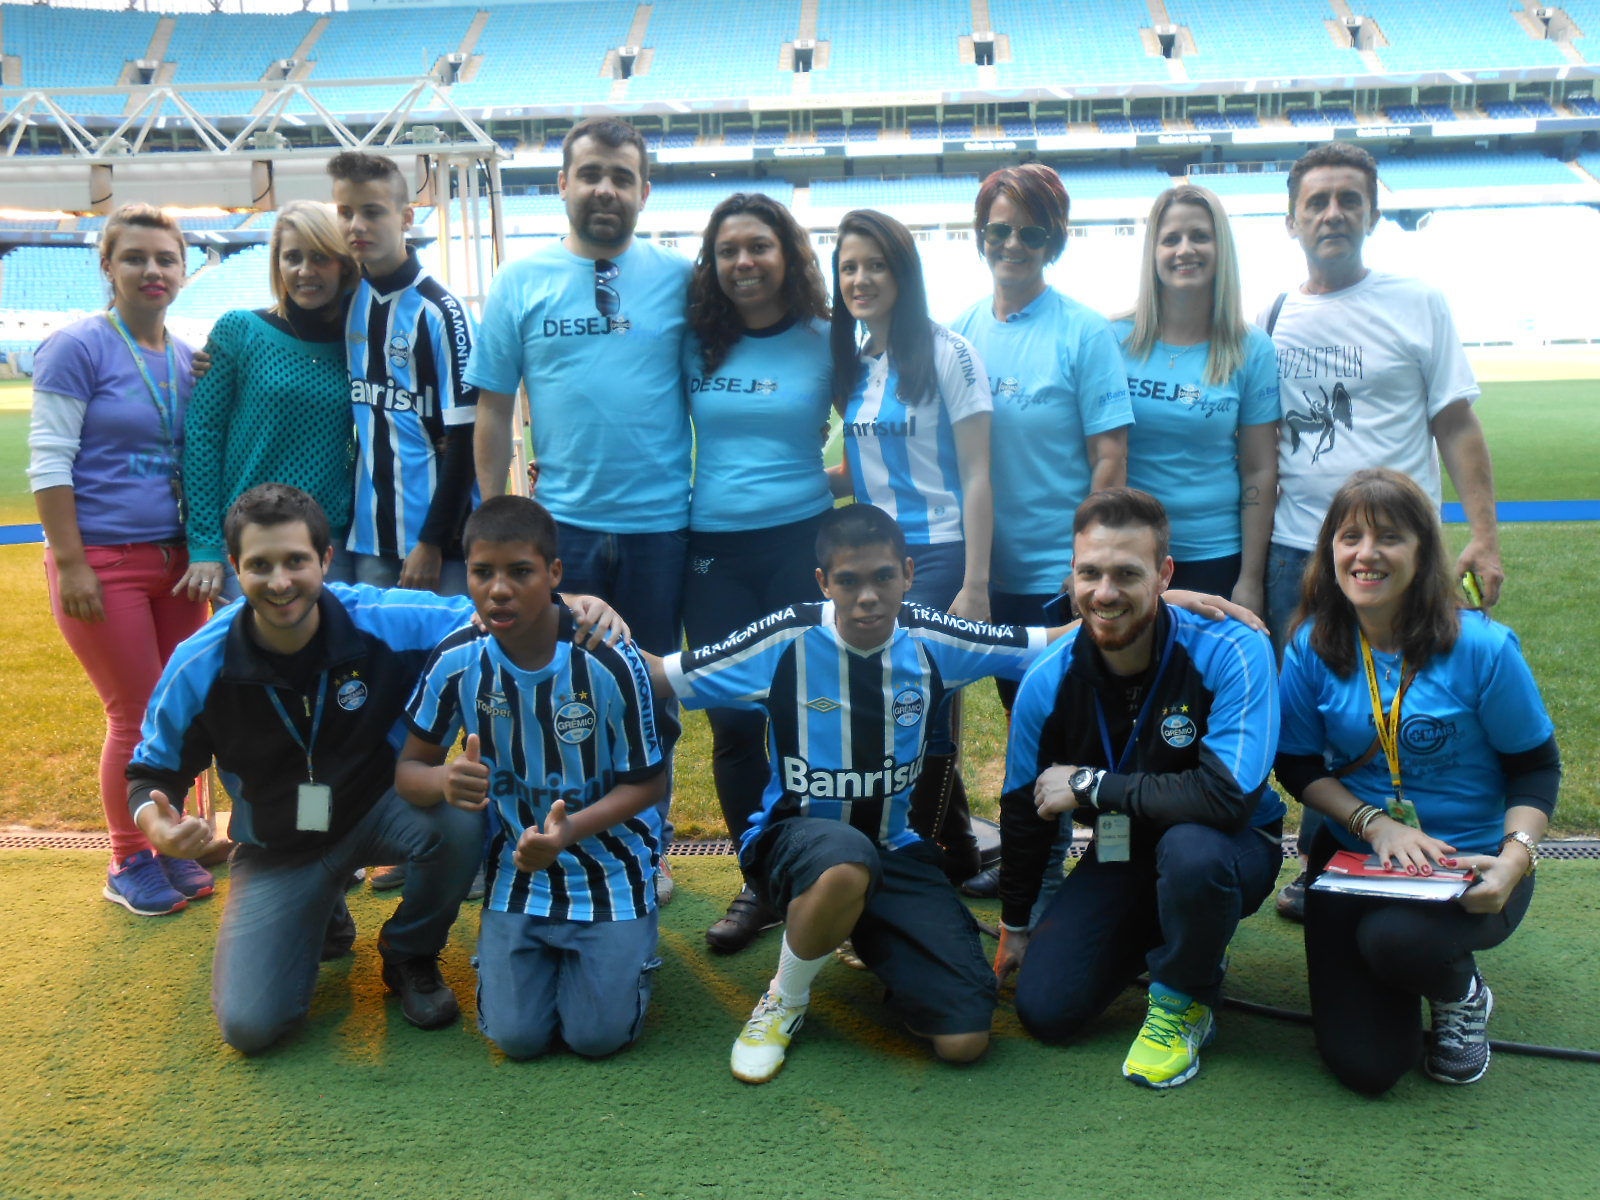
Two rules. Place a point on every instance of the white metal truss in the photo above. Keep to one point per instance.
(155, 104)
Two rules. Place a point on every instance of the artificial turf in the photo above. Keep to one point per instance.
(117, 1086)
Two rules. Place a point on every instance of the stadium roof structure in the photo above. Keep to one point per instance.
(240, 163)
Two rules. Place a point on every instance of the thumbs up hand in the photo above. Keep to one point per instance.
(172, 833)
(536, 850)
(466, 781)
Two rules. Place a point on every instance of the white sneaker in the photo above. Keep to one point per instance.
(758, 1054)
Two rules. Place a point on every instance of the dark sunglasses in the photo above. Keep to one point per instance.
(606, 300)
(1034, 237)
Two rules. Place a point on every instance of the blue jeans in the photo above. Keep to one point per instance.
(1285, 566)
(588, 981)
(1171, 910)
(641, 576)
(384, 572)
(279, 905)
(937, 572)
(733, 578)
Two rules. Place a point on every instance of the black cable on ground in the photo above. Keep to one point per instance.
(1528, 1048)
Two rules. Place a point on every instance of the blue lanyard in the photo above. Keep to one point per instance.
(1119, 765)
(316, 721)
(164, 411)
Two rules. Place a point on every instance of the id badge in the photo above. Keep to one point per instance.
(1402, 810)
(1111, 837)
(313, 808)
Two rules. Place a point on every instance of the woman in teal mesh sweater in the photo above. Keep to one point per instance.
(275, 406)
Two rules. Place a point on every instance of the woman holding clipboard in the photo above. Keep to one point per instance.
(1463, 773)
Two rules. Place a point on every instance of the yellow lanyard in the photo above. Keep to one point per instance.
(1388, 723)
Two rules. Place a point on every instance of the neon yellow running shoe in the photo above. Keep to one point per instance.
(1167, 1051)
(758, 1054)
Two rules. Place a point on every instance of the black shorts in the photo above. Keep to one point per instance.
(915, 933)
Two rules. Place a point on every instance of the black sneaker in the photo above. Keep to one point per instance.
(1291, 903)
(1460, 1049)
(746, 917)
(425, 998)
(340, 935)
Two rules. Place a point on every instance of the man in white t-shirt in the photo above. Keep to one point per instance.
(1371, 373)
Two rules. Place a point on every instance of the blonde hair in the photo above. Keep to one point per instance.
(138, 216)
(1227, 312)
(313, 222)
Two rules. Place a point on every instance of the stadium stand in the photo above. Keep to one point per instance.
(1140, 180)
(1474, 169)
(1328, 114)
(1441, 34)
(689, 65)
(1244, 183)
(345, 51)
(546, 53)
(1232, 43)
(886, 193)
(230, 48)
(53, 279)
(1419, 114)
(70, 48)
(1584, 106)
(868, 45)
(239, 281)
(1086, 43)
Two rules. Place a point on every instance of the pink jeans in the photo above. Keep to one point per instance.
(123, 655)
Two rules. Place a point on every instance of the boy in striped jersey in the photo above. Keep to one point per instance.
(407, 343)
(561, 745)
(848, 686)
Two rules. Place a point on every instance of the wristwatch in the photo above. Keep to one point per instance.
(1525, 840)
(1085, 783)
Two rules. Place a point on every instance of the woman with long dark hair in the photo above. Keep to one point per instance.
(1463, 773)
(760, 385)
(916, 406)
(105, 453)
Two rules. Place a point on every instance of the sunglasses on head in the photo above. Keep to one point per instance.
(1034, 237)
(606, 301)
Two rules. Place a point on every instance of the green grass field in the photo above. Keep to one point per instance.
(44, 694)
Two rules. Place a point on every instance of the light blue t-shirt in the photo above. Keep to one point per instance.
(1183, 447)
(1462, 711)
(1057, 378)
(760, 421)
(610, 423)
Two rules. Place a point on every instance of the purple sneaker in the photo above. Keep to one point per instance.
(140, 885)
(188, 878)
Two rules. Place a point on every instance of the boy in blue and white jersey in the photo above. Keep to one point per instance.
(407, 344)
(561, 744)
(848, 687)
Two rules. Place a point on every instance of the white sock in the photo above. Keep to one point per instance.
(792, 983)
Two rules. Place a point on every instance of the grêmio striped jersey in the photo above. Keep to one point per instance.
(847, 729)
(407, 340)
(571, 731)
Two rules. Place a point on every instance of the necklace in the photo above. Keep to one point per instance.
(1175, 353)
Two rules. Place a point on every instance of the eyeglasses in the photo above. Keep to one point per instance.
(1034, 237)
(606, 301)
